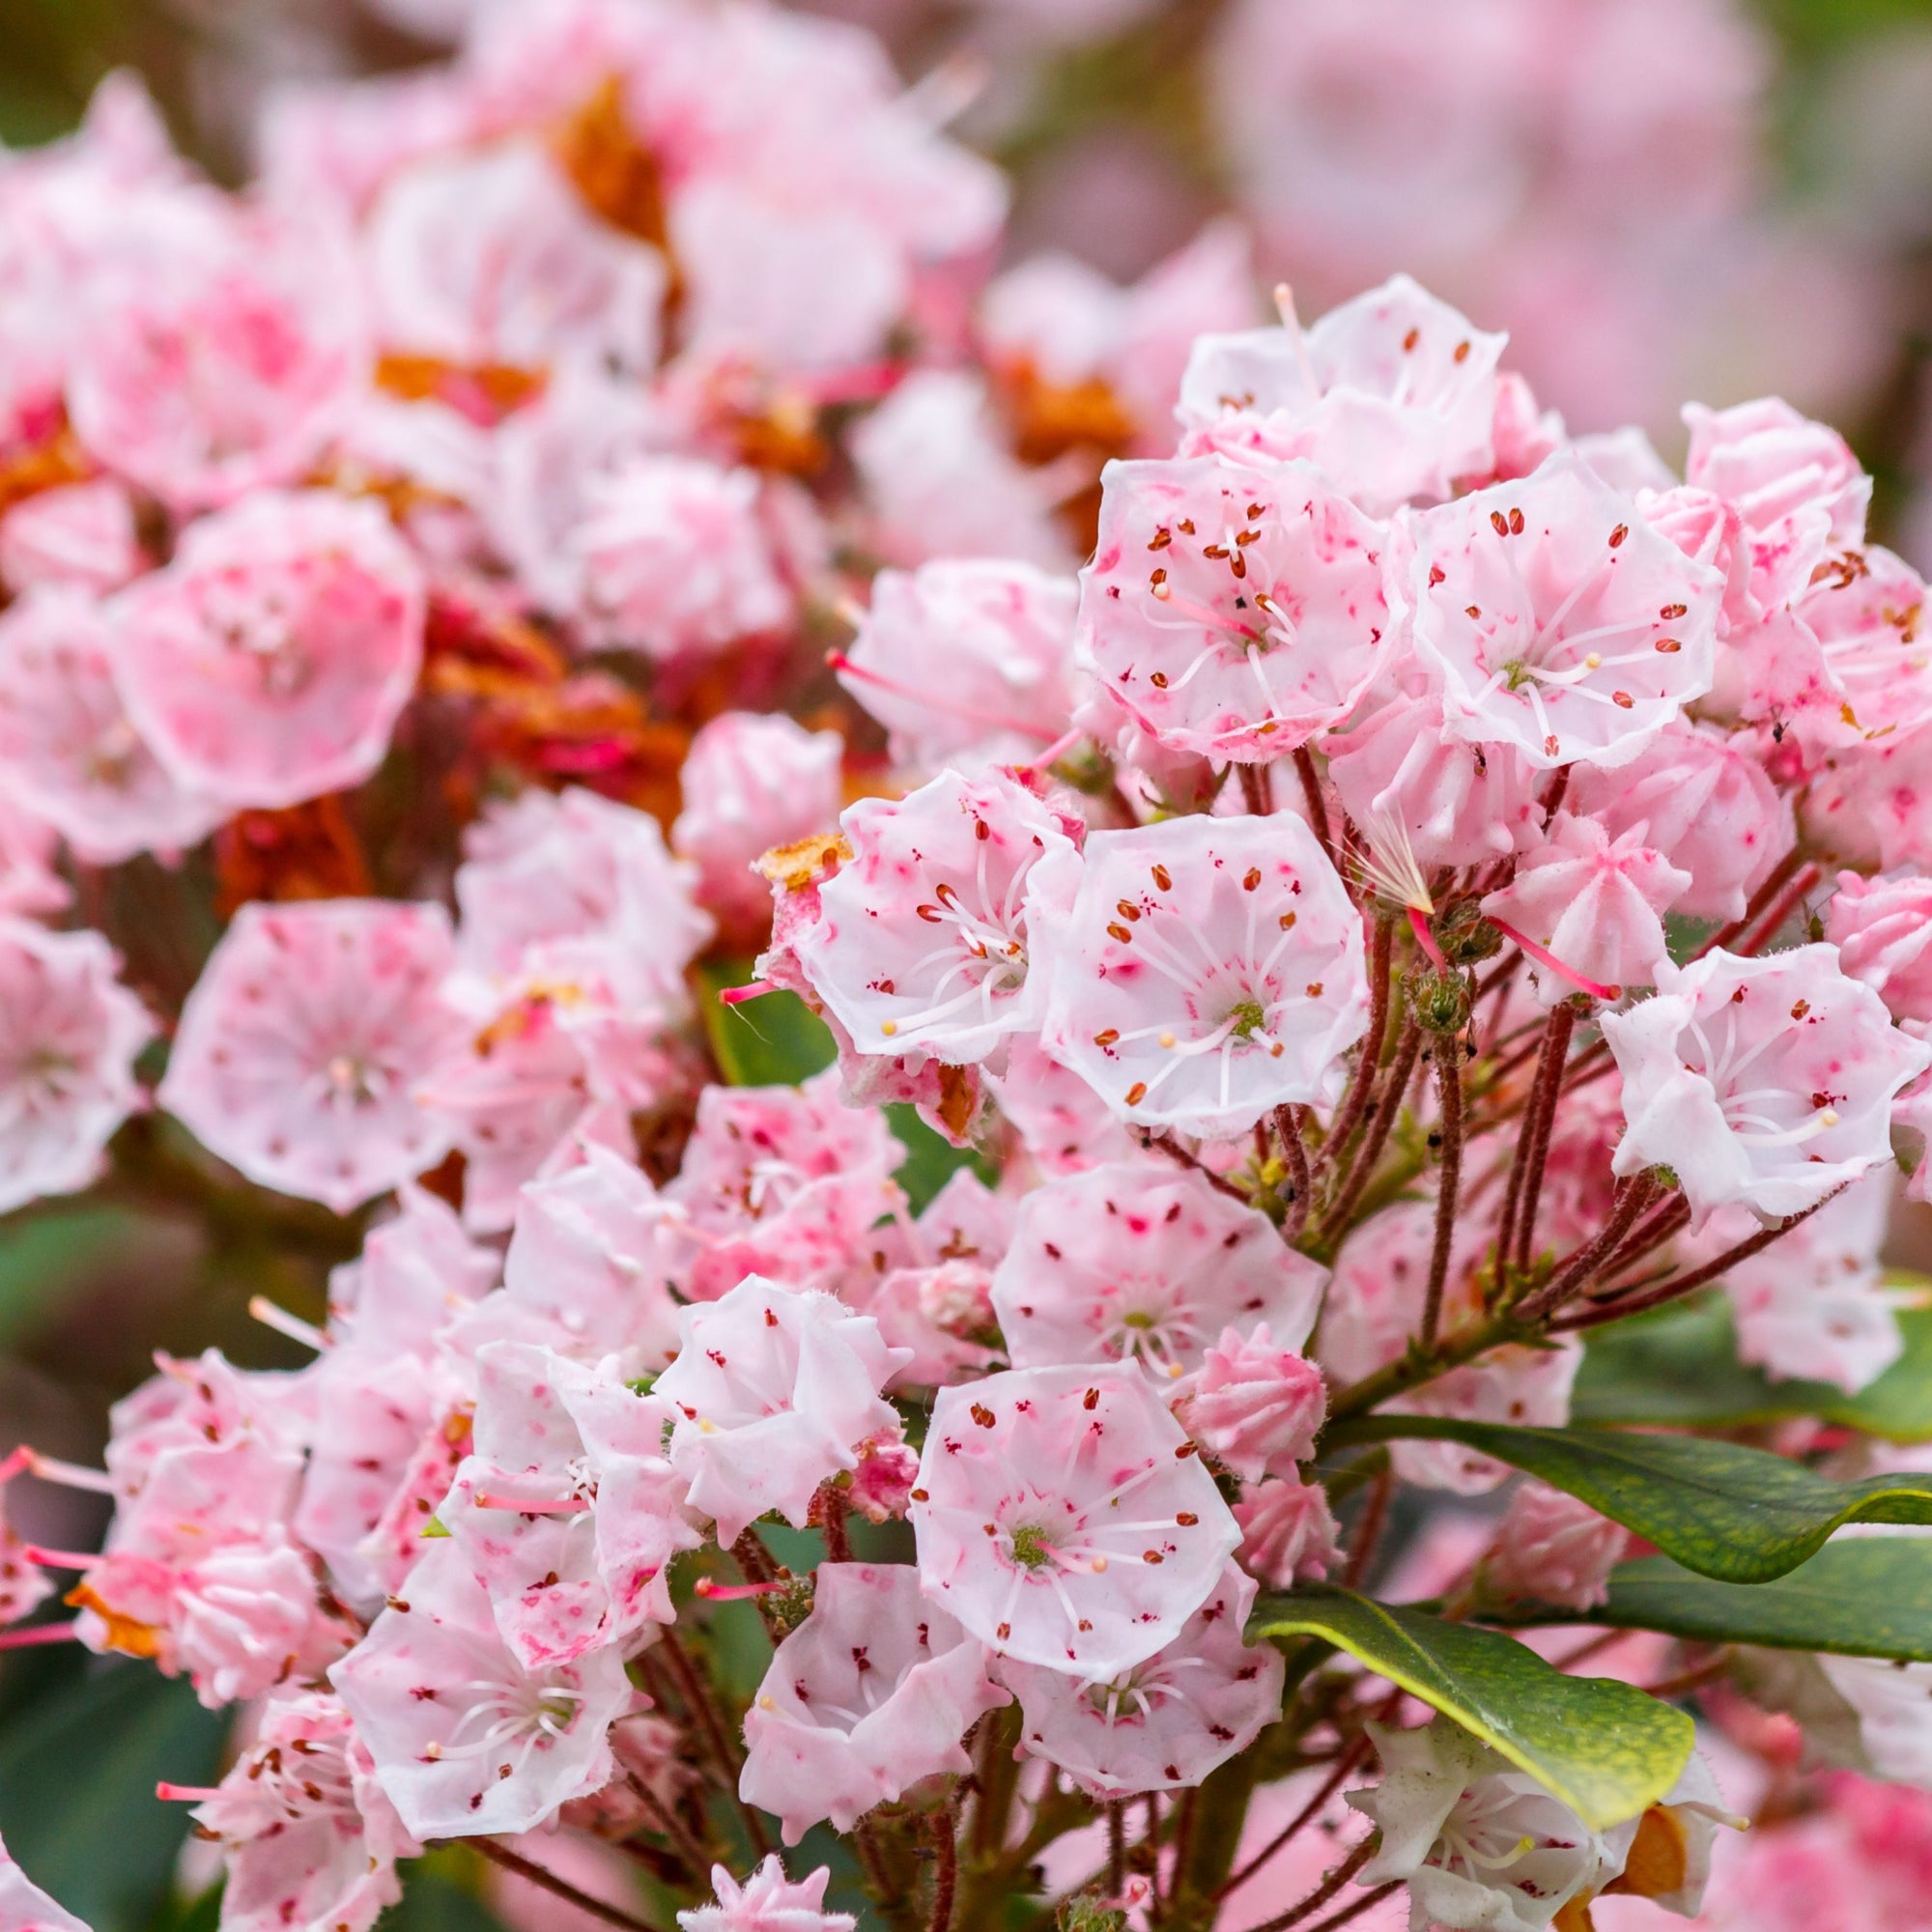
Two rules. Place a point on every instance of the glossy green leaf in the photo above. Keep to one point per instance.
(1680, 1368)
(439, 1895)
(1606, 1748)
(78, 1768)
(47, 1255)
(1865, 1596)
(1724, 1511)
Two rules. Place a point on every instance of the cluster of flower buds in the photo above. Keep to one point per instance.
(1350, 926)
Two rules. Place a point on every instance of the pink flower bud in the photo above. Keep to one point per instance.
(1288, 1534)
(1555, 1549)
(1257, 1407)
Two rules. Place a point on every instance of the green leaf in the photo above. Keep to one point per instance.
(775, 1041)
(1868, 1596)
(1736, 1513)
(435, 1897)
(1680, 1367)
(78, 1773)
(1606, 1748)
(47, 1256)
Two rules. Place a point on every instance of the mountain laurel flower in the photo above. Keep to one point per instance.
(1594, 904)
(78, 535)
(1883, 930)
(464, 1740)
(1234, 610)
(300, 1046)
(922, 940)
(870, 1693)
(1211, 970)
(967, 662)
(1257, 1406)
(1393, 394)
(1553, 618)
(269, 661)
(1767, 1082)
(1554, 1549)
(1064, 1519)
(766, 1902)
(1133, 1263)
(1167, 1723)
(772, 1392)
(69, 1033)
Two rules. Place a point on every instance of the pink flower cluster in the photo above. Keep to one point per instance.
(1357, 898)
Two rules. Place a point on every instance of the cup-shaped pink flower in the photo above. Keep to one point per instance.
(1257, 1406)
(68, 749)
(870, 1693)
(1168, 1721)
(303, 1039)
(566, 1508)
(1287, 1532)
(1704, 802)
(966, 662)
(1212, 969)
(773, 1392)
(69, 1036)
(1235, 609)
(924, 938)
(464, 1740)
(1553, 1548)
(752, 781)
(1554, 619)
(1064, 1519)
(269, 661)
(766, 1902)
(25, 1908)
(1592, 903)
(1129, 1262)
(1883, 930)
(1863, 615)
(309, 1838)
(1768, 1081)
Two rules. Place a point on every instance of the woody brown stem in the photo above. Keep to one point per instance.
(1449, 1084)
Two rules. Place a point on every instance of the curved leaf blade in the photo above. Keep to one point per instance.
(1868, 1595)
(1739, 1514)
(1679, 1368)
(1607, 1749)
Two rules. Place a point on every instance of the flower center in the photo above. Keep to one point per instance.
(1032, 1547)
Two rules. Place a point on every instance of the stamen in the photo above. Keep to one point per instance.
(272, 1315)
(1545, 958)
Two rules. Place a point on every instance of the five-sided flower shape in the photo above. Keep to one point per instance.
(1553, 618)
(767, 1902)
(1064, 1519)
(567, 1509)
(871, 1693)
(923, 941)
(1130, 1262)
(1211, 970)
(773, 1391)
(1767, 1081)
(1235, 609)
(301, 1043)
(465, 1740)
(1168, 1721)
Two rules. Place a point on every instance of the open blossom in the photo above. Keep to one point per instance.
(1553, 1548)
(488, 260)
(1393, 394)
(1554, 619)
(752, 781)
(1166, 1722)
(767, 1902)
(871, 1693)
(1129, 1263)
(464, 1740)
(25, 1908)
(1257, 1404)
(566, 1508)
(675, 559)
(922, 940)
(69, 1036)
(269, 661)
(309, 1838)
(1212, 969)
(1064, 1519)
(1592, 902)
(301, 1046)
(773, 1392)
(68, 749)
(966, 662)
(1766, 1081)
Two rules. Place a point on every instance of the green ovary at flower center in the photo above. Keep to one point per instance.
(1249, 1017)
(1139, 1319)
(1031, 1546)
